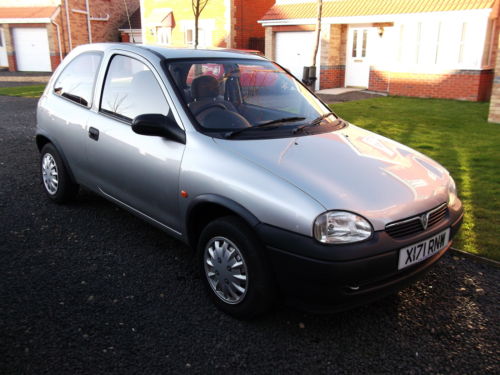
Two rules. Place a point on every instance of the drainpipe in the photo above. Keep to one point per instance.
(88, 20)
(58, 37)
(69, 25)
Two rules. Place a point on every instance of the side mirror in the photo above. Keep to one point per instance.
(158, 125)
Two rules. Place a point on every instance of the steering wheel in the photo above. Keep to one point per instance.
(208, 106)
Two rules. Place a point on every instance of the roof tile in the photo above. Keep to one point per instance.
(27, 12)
(351, 8)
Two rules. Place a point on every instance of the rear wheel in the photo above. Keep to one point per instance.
(234, 269)
(55, 178)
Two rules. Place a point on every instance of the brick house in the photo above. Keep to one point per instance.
(223, 23)
(434, 48)
(37, 35)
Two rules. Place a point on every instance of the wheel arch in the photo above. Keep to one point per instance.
(207, 207)
(42, 139)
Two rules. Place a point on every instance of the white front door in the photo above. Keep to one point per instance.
(31, 46)
(357, 72)
(3, 49)
(294, 50)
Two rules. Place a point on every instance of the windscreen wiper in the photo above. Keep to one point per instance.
(314, 122)
(267, 124)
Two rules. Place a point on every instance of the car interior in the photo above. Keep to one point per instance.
(216, 97)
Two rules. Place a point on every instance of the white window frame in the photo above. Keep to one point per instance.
(439, 42)
(418, 42)
(205, 29)
(163, 35)
(462, 44)
(436, 48)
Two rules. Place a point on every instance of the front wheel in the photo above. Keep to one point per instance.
(234, 269)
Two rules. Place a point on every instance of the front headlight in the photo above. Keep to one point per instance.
(452, 192)
(341, 227)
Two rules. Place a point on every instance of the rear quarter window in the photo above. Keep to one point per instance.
(76, 82)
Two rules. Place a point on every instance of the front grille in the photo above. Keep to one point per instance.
(413, 225)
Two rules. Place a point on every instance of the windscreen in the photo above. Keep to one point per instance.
(230, 95)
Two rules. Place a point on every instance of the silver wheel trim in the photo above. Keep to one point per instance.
(226, 270)
(50, 174)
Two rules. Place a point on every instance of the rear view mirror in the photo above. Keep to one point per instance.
(158, 125)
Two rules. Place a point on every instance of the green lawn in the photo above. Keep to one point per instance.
(457, 135)
(33, 91)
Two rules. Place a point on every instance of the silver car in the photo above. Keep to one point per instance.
(229, 153)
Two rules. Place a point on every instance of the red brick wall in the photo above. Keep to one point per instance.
(12, 62)
(331, 76)
(246, 14)
(54, 61)
(378, 81)
(469, 85)
(102, 31)
(485, 85)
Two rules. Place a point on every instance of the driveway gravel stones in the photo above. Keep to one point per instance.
(89, 288)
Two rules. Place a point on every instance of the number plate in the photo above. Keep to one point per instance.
(422, 250)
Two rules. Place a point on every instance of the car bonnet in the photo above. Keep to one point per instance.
(352, 169)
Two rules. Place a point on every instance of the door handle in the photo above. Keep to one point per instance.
(94, 133)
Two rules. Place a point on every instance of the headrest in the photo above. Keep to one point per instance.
(141, 80)
(204, 87)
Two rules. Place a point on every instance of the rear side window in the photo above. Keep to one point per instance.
(76, 82)
(131, 89)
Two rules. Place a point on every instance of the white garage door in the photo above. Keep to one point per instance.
(32, 49)
(294, 50)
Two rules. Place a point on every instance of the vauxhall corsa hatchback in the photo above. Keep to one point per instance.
(229, 153)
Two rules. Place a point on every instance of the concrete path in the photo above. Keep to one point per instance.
(338, 90)
(11, 79)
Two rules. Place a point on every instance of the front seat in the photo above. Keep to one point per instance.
(205, 91)
(210, 109)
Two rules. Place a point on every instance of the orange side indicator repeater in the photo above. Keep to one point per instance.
(184, 194)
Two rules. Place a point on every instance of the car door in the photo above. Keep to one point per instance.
(139, 171)
(67, 108)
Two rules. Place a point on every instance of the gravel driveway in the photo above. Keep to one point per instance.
(88, 288)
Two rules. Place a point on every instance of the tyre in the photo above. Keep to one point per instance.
(55, 178)
(234, 269)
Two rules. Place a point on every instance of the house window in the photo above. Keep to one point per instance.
(354, 43)
(418, 42)
(442, 43)
(365, 37)
(205, 29)
(463, 38)
(401, 43)
(163, 35)
(438, 42)
(189, 36)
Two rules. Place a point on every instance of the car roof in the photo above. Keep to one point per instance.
(177, 52)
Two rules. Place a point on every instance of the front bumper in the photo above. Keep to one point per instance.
(321, 277)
